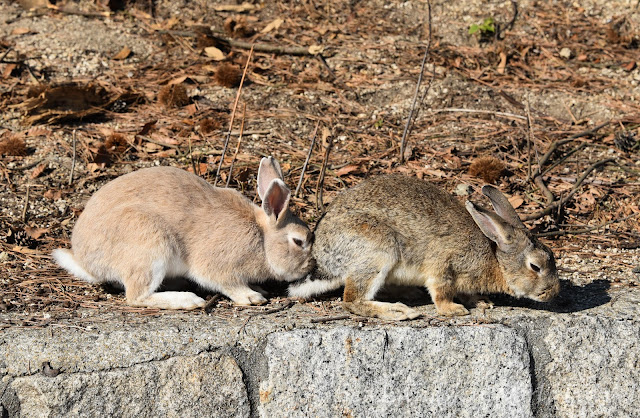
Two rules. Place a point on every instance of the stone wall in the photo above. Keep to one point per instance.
(507, 362)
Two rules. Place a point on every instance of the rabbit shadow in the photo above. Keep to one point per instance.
(572, 298)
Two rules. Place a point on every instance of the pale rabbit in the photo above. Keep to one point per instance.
(165, 222)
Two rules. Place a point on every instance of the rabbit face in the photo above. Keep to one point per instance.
(288, 248)
(529, 271)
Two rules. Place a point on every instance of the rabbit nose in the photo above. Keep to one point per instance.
(550, 292)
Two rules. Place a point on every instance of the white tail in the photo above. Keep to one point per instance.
(65, 259)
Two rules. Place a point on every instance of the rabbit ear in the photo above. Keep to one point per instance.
(269, 170)
(492, 226)
(502, 206)
(276, 199)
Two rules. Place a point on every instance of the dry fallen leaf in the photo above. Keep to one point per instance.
(35, 232)
(202, 168)
(33, 4)
(273, 25)
(8, 69)
(178, 80)
(315, 49)
(347, 169)
(238, 8)
(20, 31)
(503, 63)
(53, 194)
(39, 131)
(123, 54)
(215, 53)
(38, 170)
(516, 201)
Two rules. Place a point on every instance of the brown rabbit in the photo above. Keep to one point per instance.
(401, 230)
(165, 222)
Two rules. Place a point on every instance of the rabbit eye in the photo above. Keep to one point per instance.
(534, 267)
(298, 242)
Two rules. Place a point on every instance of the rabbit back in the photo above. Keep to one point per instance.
(164, 213)
(401, 230)
(420, 226)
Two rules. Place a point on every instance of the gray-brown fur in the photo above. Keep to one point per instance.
(165, 222)
(398, 229)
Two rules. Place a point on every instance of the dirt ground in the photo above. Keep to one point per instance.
(541, 100)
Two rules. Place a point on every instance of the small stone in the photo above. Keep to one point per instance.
(565, 53)
(463, 189)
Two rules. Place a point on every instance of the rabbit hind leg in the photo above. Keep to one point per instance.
(141, 286)
(359, 290)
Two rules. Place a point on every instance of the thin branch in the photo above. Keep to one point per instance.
(211, 303)
(564, 158)
(233, 115)
(73, 158)
(485, 112)
(306, 162)
(26, 205)
(193, 163)
(282, 307)
(415, 95)
(556, 144)
(583, 230)
(69, 11)
(320, 183)
(544, 189)
(235, 154)
(529, 139)
(559, 203)
(271, 49)
(9, 49)
(323, 319)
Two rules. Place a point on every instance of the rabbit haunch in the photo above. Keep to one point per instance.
(165, 222)
(395, 229)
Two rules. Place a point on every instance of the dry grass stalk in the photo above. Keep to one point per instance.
(306, 162)
(233, 115)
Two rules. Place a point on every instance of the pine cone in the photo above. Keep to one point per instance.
(625, 140)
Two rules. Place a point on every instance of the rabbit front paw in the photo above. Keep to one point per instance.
(245, 296)
(451, 309)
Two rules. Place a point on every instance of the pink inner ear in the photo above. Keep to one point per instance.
(276, 199)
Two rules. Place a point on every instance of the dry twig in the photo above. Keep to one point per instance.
(271, 49)
(320, 183)
(26, 205)
(73, 158)
(233, 115)
(556, 204)
(306, 162)
(235, 154)
(415, 95)
(328, 319)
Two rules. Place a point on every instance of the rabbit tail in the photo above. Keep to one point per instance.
(67, 261)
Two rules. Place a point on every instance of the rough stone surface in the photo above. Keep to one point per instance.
(205, 385)
(463, 372)
(577, 356)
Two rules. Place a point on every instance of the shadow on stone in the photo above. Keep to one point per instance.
(572, 298)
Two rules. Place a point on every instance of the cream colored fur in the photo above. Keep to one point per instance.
(165, 222)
